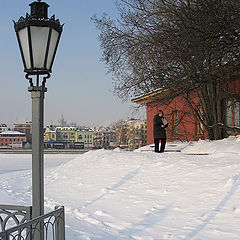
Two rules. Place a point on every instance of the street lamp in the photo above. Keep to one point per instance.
(38, 38)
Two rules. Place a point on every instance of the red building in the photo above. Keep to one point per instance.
(182, 123)
(12, 139)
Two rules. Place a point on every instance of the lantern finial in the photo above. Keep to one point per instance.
(39, 9)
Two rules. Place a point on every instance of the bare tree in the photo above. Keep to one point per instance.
(190, 47)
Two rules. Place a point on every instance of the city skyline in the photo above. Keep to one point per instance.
(79, 87)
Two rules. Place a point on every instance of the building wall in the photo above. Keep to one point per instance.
(65, 135)
(189, 129)
(69, 136)
(7, 139)
(186, 127)
(86, 137)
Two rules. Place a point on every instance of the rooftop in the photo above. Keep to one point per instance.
(12, 133)
(149, 97)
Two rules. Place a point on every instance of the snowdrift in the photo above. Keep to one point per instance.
(142, 195)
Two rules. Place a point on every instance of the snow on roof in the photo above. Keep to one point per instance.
(12, 133)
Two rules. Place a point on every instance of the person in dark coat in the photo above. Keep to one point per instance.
(159, 132)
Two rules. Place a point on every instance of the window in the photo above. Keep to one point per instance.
(199, 128)
(72, 135)
(175, 122)
(232, 113)
(80, 137)
(199, 125)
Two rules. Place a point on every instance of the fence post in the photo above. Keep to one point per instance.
(6, 237)
(29, 217)
(60, 225)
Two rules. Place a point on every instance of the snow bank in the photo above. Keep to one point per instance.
(121, 195)
(226, 145)
(201, 147)
(176, 146)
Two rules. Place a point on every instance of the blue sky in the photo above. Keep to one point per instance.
(79, 87)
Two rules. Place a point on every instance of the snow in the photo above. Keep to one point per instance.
(227, 145)
(140, 195)
(11, 133)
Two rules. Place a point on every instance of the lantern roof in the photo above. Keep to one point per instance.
(38, 17)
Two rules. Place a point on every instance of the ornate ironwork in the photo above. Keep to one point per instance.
(13, 215)
(38, 16)
(38, 83)
(52, 223)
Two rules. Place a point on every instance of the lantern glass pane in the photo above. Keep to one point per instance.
(39, 37)
(52, 48)
(23, 37)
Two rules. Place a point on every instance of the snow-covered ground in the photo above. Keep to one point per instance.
(141, 195)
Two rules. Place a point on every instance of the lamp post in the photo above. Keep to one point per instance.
(38, 37)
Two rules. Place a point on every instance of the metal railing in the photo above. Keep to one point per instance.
(12, 215)
(50, 226)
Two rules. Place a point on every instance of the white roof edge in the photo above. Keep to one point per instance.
(11, 133)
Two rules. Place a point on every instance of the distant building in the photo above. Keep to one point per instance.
(105, 137)
(12, 139)
(132, 133)
(121, 134)
(50, 137)
(68, 137)
(24, 128)
(137, 133)
(3, 127)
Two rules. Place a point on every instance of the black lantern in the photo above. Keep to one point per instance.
(38, 37)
